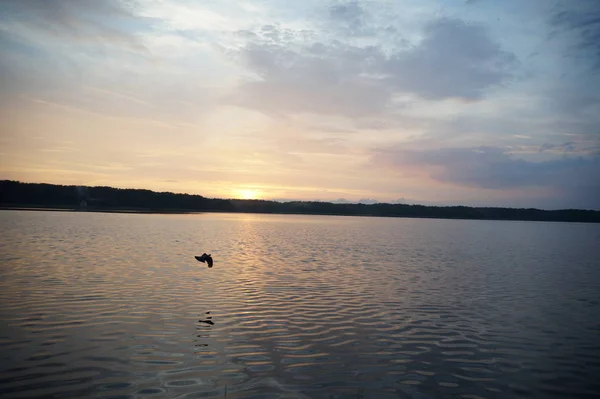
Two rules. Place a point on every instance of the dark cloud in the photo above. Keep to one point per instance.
(454, 60)
(484, 167)
(571, 179)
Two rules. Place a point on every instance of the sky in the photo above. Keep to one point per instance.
(435, 102)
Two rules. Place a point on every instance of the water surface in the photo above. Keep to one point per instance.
(115, 305)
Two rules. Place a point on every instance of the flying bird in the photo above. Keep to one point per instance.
(205, 258)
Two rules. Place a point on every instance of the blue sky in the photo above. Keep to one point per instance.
(435, 102)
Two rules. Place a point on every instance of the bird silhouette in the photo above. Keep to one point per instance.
(205, 258)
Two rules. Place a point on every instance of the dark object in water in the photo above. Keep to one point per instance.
(205, 258)
(208, 319)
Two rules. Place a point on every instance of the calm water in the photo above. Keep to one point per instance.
(114, 305)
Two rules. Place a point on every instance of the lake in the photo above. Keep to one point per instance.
(115, 306)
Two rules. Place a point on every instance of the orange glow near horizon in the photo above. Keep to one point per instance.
(246, 193)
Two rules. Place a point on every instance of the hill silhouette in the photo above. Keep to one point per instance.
(15, 194)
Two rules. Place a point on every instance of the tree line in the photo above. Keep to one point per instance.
(18, 194)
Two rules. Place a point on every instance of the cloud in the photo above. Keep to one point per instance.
(569, 146)
(322, 79)
(293, 74)
(351, 12)
(48, 44)
(582, 22)
(497, 169)
(319, 85)
(351, 18)
(454, 60)
(77, 21)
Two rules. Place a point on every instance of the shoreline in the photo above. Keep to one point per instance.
(196, 212)
(43, 196)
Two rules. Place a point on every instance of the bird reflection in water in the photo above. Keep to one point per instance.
(208, 320)
(203, 324)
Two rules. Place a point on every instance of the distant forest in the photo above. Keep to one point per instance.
(14, 194)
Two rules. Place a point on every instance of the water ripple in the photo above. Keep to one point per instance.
(109, 305)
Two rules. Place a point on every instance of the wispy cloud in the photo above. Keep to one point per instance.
(580, 20)
(77, 21)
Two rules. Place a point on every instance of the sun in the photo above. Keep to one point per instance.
(247, 193)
